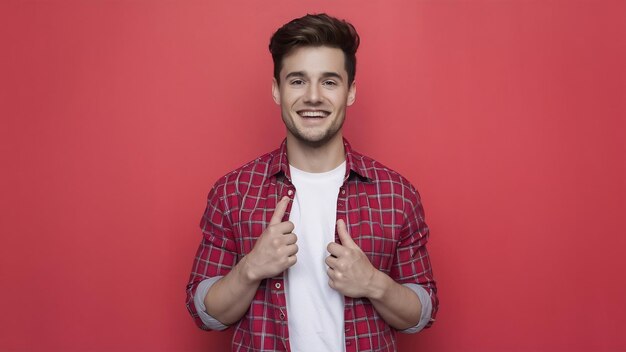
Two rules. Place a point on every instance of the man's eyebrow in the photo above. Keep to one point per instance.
(333, 75)
(300, 74)
(295, 74)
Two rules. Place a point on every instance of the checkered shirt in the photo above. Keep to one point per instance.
(383, 214)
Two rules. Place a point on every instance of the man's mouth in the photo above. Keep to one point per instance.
(313, 113)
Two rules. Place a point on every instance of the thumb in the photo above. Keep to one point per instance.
(344, 236)
(279, 212)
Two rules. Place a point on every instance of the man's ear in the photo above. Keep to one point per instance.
(351, 94)
(275, 91)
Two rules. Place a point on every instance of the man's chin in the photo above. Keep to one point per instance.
(314, 141)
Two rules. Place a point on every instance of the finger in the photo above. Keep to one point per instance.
(290, 238)
(291, 249)
(284, 227)
(344, 236)
(334, 275)
(335, 249)
(331, 262)
(330, 273)
(279, 212)
(291, 260)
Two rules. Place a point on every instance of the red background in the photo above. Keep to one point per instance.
(118, 116)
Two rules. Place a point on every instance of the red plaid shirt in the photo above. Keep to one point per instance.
(384, 216)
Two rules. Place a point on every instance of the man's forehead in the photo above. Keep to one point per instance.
(314, 60)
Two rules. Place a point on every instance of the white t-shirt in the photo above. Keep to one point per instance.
(315, 311)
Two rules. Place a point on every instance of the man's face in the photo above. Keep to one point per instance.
(313, 93)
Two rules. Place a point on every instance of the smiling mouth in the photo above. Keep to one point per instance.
(313, 113)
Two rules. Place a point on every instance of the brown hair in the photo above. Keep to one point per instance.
(315, 30)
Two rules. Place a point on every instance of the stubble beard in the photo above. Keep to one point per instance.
(314, 141)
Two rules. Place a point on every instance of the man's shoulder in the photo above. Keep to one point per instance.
(252, 171)
(386, 181)
(378, 172)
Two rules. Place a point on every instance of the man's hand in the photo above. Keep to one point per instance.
(276, 248)
(349, 270)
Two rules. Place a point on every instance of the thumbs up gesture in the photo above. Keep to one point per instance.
(349, 270)
(275, 250)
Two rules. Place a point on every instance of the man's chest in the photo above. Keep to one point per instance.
(374, 218)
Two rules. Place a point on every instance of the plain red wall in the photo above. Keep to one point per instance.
(118, 116)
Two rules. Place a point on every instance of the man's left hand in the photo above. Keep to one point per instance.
(349, 270)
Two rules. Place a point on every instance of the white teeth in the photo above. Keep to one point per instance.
(313, 113)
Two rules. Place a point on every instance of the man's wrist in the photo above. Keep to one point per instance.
(379, 284)
(246, 272)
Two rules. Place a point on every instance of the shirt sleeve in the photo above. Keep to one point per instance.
(198, 300)
(412, 263)
(427, 308)
(216, 254)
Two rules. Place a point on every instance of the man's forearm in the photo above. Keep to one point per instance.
(398, 305)
(230, 297)
(273, 253)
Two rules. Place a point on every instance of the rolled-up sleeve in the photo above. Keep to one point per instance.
(198, 300)
(427, 308)
(412, 263)
(215, 257)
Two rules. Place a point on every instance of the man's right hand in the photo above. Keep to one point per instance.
(275, 250)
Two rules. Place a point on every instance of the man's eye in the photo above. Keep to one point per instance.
(297, 82)
(330, 83)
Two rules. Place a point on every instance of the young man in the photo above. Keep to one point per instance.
(313, 247)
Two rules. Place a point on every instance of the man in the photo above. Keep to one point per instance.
(313, 247)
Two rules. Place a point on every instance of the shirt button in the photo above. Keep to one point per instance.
(282, 316)
(347, 328)
(290, 192)
(343, 191)
(277, 285)
(348, 343)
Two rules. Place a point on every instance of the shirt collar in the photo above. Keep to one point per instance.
(354, 162)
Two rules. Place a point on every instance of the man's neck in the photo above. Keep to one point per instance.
(315, 158)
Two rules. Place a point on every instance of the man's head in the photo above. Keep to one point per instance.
(314, 67)
(315, 30)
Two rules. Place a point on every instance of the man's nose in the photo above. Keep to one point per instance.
(313, 94)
